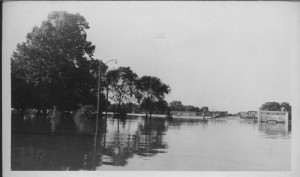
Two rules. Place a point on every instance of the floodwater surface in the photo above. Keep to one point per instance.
(137, 143)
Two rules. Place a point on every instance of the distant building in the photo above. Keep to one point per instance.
(247, 115)
(277, 116)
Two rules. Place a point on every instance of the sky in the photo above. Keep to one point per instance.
(229, 56)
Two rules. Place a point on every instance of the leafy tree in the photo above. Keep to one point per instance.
(56, 63)
(161, 107)
(286, 106)
(176, 106)
(271, 106)
(110, 76)
(22, 96)
(151, 89)
(191, 108)
(204, 109)
(122, 85)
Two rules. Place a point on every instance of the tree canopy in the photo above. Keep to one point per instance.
(56, 63)
(274, 106)
(204, 109)
(55, 67)
(121, 83)
(286, 106)
(151, 90)
(178, 106)
(271, 106)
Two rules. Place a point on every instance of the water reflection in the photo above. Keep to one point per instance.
(45, 152)
(177, 123)
(121, 142)
(274, 128)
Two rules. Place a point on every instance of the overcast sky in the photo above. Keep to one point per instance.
(231, 56)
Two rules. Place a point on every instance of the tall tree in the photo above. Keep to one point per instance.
(56, 62)
(122, 85)
(151, 89)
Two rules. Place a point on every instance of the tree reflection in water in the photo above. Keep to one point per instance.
(275, 129)
(120, 141)
(45, 152)
(117, 141)
(123, 143)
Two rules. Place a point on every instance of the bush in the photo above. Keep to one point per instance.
(84, 119)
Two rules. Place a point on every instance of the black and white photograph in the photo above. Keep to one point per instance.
(201, 87)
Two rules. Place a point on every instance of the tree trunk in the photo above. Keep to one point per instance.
(119, 109)
(106, 104)
(38, 114)
(22, 112)
(150, 107)
(44, 113)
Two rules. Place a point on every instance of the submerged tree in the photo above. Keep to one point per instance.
(55, 63)
(157, 107)
(122, 84)
(150, 90)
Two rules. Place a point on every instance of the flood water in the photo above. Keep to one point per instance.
(159, 144)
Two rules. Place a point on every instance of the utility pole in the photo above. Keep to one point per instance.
(99, 113)
(150, 98)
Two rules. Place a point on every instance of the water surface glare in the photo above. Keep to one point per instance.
(158, 144)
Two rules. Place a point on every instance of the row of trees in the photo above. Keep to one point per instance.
(274, 106)
(178, 106)
(128, 90)
(157, 107)
(55, 67)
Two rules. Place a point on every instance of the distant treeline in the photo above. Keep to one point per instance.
(275, 106)
(178, 106)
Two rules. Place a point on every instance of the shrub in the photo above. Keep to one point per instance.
(84, 119)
